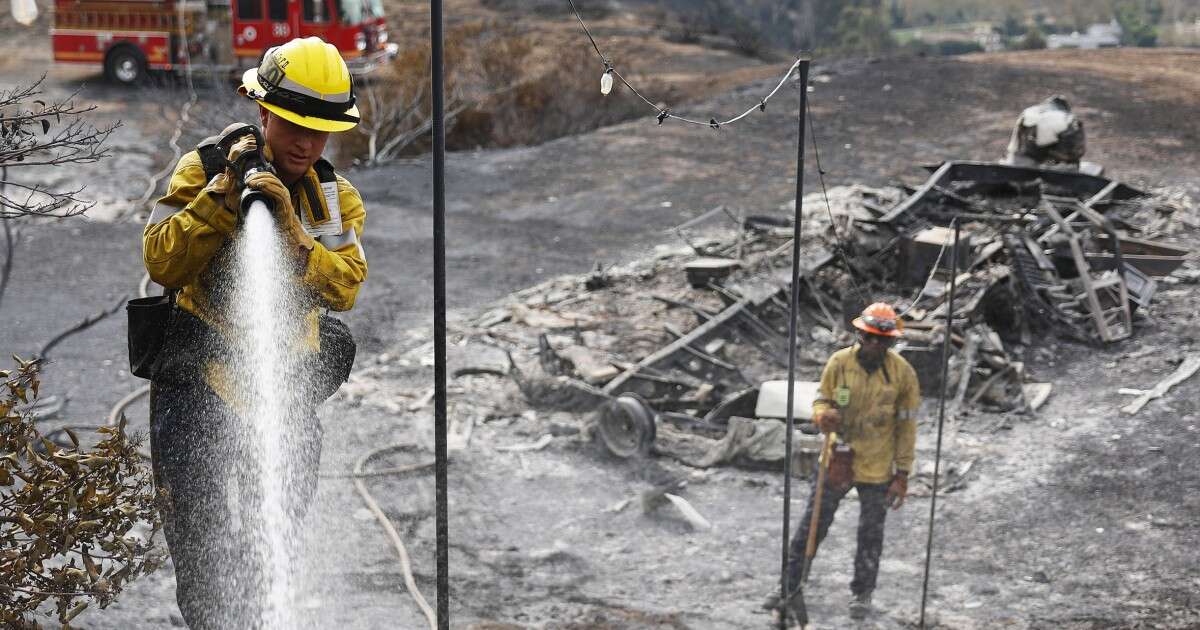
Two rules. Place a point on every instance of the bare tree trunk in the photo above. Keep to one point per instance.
(6, 271)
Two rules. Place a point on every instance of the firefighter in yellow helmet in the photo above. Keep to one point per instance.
(869, 396)
(304, 93)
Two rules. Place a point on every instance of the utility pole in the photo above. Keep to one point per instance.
(797, 223)
(439, 314)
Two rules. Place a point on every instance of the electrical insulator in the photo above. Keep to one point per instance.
(24, 11)
(606, 82)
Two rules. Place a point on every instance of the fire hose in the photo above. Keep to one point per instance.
(359, 473)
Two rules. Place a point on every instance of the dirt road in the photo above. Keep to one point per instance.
(533, 547)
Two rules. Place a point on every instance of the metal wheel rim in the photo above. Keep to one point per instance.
(627, 427)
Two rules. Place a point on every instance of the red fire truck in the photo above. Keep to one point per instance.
(131, 37)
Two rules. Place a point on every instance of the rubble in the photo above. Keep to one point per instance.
(693, 341)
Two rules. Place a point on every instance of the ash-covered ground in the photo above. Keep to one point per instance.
(1076, 517)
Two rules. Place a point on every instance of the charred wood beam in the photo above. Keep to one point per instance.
(704, 356)
(702, 313)
(665, 354)
(1077, 184)
(669, 354)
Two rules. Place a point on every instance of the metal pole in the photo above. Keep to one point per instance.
(784, 587)
(439, 314)
(937, 455)
(6, 270)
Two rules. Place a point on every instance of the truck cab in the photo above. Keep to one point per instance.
(355, 27)
(130, 37)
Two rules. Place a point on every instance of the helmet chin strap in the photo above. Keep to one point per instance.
(869, 361)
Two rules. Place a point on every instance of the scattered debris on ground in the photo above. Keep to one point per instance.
(682, 354)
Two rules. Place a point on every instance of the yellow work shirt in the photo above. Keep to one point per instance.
(879, 420)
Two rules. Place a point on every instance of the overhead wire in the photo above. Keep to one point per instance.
(663, 113)
(841, 243)
(932, 272)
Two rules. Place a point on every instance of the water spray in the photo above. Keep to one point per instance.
(264, 304)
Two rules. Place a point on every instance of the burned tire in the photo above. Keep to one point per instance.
(627, 426)
(125, 65)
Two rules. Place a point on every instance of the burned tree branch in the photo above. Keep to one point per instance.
(26, 140)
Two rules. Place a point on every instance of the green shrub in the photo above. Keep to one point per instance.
(1033, 40)
(951, 48)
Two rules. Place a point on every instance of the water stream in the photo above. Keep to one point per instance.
(265, 309)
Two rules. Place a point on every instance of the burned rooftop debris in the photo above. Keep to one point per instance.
(694, 341)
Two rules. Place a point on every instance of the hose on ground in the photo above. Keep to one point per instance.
(386, 523)
(358, 474)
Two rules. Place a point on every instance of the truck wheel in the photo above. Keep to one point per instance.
(125, 65)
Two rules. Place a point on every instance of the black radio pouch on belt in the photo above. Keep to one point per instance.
(336, 358)
(149, 319)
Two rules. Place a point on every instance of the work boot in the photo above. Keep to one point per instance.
(860, 605)
(795, 609)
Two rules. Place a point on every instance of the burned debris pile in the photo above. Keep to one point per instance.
(692, 343)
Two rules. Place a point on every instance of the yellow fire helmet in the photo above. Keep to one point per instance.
(304, 81)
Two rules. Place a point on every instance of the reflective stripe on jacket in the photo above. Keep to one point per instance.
(186, 228)
(185, 246)
(879, 421)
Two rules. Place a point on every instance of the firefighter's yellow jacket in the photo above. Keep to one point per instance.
(189, 229)
(879, 418)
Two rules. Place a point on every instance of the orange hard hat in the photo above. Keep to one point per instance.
(880, 319)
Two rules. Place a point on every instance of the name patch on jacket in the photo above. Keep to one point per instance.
(322, 213)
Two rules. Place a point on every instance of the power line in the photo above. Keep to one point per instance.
(664, 113)
(841, 244)
(932, 272)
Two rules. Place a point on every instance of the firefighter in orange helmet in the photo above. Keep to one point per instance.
(869, 396)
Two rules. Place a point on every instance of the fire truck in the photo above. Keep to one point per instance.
(129, 38)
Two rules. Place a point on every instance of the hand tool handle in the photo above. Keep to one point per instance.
(810, 548)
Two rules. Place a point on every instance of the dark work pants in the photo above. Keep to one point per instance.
(873, 512)
(204, 468)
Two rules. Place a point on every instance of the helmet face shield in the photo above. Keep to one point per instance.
(879, 323)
